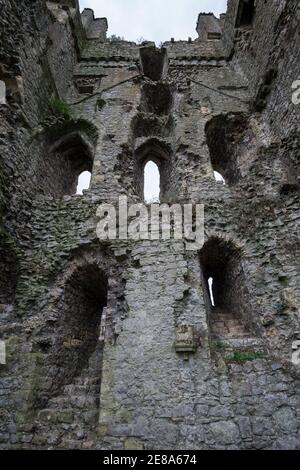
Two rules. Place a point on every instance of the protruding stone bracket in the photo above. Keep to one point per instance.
(87, 85)
(185, 341)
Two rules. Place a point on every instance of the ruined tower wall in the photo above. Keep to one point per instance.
(38, 53)
(189, 106)
(37, 68)
(267, 53)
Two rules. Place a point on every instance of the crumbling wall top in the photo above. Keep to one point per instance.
(208, 27)
(95, 28)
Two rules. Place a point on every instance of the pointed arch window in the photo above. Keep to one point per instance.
(153, 170)
(151, 182)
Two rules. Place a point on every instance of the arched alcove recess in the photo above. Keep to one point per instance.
(83, 305)
(228, 305)
(68, 157)
(160, 153)
(223, 134)
(68, 150)
(77, 332)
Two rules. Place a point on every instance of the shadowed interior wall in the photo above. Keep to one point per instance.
(222, 261)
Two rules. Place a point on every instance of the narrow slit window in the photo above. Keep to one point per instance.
(211, 294)
(219, 178)
(84, 181)
(151, 182)
(227, 298)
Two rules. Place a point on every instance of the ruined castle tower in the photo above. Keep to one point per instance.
(118, 344)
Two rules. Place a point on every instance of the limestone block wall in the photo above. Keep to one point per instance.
(90, 327)
(269, 58)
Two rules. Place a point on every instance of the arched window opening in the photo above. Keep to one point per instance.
(226, 294)
(71, 165)
(246, 13)
(84, 181)
(151, 182)
(153, 171)
(224, 133)
(218, 177)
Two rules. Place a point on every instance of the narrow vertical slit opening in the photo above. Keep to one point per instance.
(151, 183)
(211, 294)
(226, 295)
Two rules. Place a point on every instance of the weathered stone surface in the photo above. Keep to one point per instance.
(90, 326)
(225, 432)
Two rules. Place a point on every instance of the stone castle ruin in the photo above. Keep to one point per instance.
(117, 344)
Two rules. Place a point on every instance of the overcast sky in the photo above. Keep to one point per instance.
(156, 20)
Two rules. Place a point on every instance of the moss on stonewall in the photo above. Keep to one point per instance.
(243, 356)
(60, 123)
(59, 108)
(35, 367)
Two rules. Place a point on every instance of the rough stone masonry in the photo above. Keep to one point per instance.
(117, 344)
